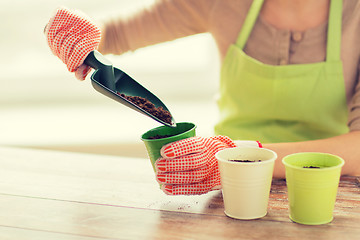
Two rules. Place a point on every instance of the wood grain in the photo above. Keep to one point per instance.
(60, 195)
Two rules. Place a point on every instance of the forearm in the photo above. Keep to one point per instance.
(346, 146)
(164, 21)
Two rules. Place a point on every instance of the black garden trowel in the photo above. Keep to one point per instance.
(112, 82)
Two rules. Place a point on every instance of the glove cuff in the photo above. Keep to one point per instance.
(245, 143)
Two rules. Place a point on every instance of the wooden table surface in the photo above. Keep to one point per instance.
(57, 195)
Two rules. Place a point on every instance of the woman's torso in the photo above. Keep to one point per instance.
(266, 43)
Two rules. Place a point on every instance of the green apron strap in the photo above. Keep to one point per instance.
(334, 31)
(249, 23)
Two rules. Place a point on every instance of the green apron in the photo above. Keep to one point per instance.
(284, 103)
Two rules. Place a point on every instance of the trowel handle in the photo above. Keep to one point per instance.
(97, 61)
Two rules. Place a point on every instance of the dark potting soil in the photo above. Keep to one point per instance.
(160, 136)
(149, 107)
(310, 167)
(236, 160)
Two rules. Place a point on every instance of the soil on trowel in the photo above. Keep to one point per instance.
(149, 107)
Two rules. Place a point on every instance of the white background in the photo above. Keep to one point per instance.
(41, 104)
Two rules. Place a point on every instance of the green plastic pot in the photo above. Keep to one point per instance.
(312, 180)
(153, 146)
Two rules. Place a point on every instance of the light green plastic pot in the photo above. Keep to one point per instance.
(311, 190)
(181, 131)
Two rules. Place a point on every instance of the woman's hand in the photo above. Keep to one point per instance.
(189, 166)
(71, 37)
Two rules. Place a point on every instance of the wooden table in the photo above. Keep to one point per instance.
(57, 195)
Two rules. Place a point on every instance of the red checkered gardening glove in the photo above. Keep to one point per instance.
(189, 166)
(71, 37)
